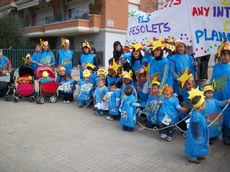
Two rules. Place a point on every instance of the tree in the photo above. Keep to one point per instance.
(95, 7)
(12, 32)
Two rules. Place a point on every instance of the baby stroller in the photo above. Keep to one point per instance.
(25, 84)
(7, 85)
(48, 88)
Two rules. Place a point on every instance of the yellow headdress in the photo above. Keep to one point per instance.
(128, 75)
(101, 72)
(90, 65)
(26, 59)
(85, 44)
(137, 46)
(114, 66)
(196, 92)
(155, 81)
(86, 73)
(208, 88)
(223, 46)
(64, 41)
(184, 77)
(156, 44)
(45, 74)
(43, 43)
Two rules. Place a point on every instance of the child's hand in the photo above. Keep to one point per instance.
(159, 102)
(183, 110)
(228, 101)
(198, 138)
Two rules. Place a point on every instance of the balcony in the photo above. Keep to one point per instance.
(55, 26)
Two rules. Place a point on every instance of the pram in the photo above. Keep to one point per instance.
(47, 88)
(25, 84)
(7, 85)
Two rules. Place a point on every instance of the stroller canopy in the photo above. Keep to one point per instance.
(25, 71)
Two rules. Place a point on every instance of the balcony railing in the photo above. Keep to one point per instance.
(59, 17)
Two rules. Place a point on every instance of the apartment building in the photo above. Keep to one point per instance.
(54, 19)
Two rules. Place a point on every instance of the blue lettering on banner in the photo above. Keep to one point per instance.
(213, 35)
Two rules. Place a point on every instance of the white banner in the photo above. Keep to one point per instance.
(202, 24)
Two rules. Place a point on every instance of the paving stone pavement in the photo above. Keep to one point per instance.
(63, 138)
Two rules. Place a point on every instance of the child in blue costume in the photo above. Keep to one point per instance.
(113, 74)
(211, 112)
(5, 65)
(152, 107)
(137, 61)
(159, 66)
(68, 93)
(93, 76)
(65, 56)
(114, 98)
(168, 113)
(61, 72)
(181, 61)
(45, 57)
(34, 59)
(221, 78)
(142, 88)
(127, 81)
(196, 142)
(128, 110)
(86, 57)
(101, 105)
(84, 93)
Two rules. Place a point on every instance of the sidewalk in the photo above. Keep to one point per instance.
(63, 138)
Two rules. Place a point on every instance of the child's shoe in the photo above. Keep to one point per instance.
(64, 101)
(169, 138)
(163, 136)
(130, 129)
(109, 118)
(197, 161)
(101, 113)
(201, 157)
(67, 102)
(124, 128)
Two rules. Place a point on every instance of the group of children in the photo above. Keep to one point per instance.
(127, 90)
(157, 83)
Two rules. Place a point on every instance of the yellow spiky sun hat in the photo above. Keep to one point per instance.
(85, 44)
(114, 66)
(43, 43)
(155, 81)
(185, 77)
(208, 87)
(64, 41)
(156, 44)
(102, 72)
(128, 75)
(86, 73)
(196, 92)
(90, 66)
(137, 46)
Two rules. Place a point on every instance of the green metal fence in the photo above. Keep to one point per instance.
(15, 56)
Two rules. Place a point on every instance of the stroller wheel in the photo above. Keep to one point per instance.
(42, 100)
(37, 100)
(32, 98)
(53, 99)
(16, 99)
